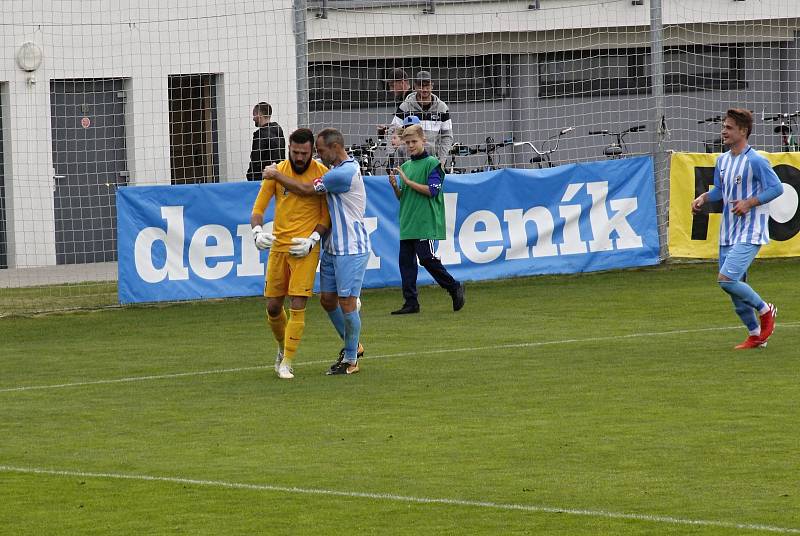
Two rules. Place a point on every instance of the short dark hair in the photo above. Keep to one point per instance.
(330, 136)
(264, 108)
(301, 136)
(743, 118)
(396, 74)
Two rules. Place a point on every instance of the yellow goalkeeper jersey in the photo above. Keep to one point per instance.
(295, 216)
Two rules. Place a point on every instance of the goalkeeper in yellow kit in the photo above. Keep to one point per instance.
(297, 227)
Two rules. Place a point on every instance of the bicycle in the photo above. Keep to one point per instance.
(542, 158)
(713, 145)
(617, 148)
(489, 149)
(458, 149)
(789, 140)
(364, 154)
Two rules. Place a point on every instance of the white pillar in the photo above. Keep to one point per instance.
(29, 174)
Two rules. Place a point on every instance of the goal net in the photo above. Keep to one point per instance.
(104, 95)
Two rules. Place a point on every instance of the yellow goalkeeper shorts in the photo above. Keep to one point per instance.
(290, 276)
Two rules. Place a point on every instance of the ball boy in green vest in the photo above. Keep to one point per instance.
(421, 221)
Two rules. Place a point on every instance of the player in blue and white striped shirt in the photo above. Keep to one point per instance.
(745, 182)
(346, 247)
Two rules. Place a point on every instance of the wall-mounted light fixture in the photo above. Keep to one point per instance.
(29, 58)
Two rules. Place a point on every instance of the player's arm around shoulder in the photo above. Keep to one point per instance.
(273, 173)
(337, 180)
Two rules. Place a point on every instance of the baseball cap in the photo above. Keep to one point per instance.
(423, 76)
(397, 74)
(411, 120)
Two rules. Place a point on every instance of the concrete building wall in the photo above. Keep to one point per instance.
(248, 45)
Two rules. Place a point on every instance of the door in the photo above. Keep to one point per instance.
(89, 159)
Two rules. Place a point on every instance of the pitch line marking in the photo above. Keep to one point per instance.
(407, 499)
(383, 356)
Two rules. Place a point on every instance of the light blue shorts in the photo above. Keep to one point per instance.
(735, 260)
(342, 274)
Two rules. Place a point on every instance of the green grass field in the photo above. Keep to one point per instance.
(607, 403)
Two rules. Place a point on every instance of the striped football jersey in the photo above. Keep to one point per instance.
(739, 177)
(347, 203)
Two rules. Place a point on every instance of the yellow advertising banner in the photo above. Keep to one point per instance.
(697, 235)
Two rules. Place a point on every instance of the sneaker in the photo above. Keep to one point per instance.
(458, 297)
(768, 322)
(753, 341)
(285, 372)
(339, 359)
(407, 309)
(278, 359)
(343, 367)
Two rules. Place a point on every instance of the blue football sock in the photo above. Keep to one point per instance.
(337, 319)
(745, 300)
(748, 316)
(352, 322)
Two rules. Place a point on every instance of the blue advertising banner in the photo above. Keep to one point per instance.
(194, 241)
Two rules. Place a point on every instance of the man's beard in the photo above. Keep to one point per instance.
(300, 170)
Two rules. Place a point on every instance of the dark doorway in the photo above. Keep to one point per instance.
(90, 162)
(194, 151)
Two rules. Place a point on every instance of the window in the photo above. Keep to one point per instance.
(696, 68)
(593, 73)
(361, 83)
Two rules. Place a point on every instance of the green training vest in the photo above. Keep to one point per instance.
(421, 216)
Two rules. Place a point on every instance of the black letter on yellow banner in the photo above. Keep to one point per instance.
(703, 180)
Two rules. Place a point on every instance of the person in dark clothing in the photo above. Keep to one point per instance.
(398, 88)
(269, 145)
(397, 84)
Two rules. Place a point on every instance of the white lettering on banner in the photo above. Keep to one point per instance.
(173, 242)
(251, 256)
(545, 225)
(200, 251)
(517, 219)
(572, 245)
(374, 262)
(480, 237)
(603, 226)
(469, 237)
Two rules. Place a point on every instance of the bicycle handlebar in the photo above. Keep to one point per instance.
(777, 117)
(548, 151)
(606, 132)
(369, 146)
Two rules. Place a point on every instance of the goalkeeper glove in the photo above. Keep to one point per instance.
(303, 246)
(262, 239)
